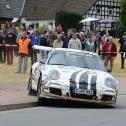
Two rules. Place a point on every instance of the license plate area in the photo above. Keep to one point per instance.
(84, 92)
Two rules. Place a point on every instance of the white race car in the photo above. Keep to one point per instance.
(72, 75)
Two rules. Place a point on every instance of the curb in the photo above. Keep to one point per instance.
(29, 104)
(18, 106)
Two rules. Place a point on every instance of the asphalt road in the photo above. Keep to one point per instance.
(67, 114)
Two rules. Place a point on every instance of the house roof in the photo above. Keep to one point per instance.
(10, 8)
(46, 9)
(42, 9)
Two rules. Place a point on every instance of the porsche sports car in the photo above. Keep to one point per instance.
(72, 75)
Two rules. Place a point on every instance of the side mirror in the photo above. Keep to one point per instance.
(43, 61)
(109, 70)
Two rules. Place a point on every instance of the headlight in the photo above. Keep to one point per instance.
(54, 74)
(111, 83)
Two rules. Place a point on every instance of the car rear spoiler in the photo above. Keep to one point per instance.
(42, 48)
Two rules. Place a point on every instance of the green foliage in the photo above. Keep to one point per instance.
(42, 28)
(122, 17)
(68, 20)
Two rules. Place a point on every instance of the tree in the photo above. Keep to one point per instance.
(68, 20)
(122, 17)
(42, 28)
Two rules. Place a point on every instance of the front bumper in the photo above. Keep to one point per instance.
(105, 99)
(58, 90)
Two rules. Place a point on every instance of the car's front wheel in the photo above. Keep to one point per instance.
(39, 88)
(30, 90)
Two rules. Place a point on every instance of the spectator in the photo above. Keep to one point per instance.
(90, 44)
(59, 29)
(14, 31)
(100, 50)
(107, 36)
(98, 41)
(82, 39)
(35, 40)
(110, 51)
(122, 50)
(58, 43)
(74, 42)
(2, 41)
(64, 39)
(88, 33)
(23, 42)
(44, 42)
(51, 38)
(10, 41)
(21, 30)
(50, 27)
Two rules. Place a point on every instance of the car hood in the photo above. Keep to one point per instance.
(70, 72)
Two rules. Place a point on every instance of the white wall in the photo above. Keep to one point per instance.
(40, 22)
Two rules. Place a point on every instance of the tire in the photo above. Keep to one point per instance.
(30, 90)
(41, 100)
(39, 89)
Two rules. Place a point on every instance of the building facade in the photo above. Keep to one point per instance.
(105, 10)
(38, 12)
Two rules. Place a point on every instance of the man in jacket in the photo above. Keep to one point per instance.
(110, 51)
(90, 44)
(2, 42)
(82, 39)
(122, 50)
(35, 40)
(24, 42)
(58, 43)
(74, 42)
(10, 41)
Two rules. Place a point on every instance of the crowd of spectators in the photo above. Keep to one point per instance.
(19, 42)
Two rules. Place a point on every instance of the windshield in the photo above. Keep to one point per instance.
(76, 59)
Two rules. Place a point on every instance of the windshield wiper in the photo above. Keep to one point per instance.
(58, 64)
(88, 68)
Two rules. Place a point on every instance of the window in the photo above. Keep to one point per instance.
(110, 12)
(75, 59)
(98, 10)
(37, 25)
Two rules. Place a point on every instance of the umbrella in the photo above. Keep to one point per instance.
(106, 21)
(89, 19)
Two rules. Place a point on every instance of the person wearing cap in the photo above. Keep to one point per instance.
(122, 49)
(24, 42)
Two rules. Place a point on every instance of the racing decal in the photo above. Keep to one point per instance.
(83, 85)
(93, 84)
(73, 77)
(83, 81)
(73, 81)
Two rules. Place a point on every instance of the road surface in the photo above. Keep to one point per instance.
(70, 114)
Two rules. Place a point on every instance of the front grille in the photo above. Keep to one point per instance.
(81, 96)
(55, 91)
(106, 98)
